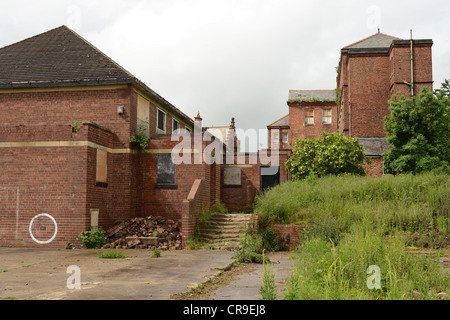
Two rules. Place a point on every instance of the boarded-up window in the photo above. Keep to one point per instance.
(143, 115)
(94, 217)
(232, 176)
(102, 167)
(165, 170)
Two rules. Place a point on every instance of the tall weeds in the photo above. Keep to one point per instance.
(352, 223)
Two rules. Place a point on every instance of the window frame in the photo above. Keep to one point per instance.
(164, 121)
(276, 136)
(173, 124)
(309, 117)
(285, 134)
(330, 117)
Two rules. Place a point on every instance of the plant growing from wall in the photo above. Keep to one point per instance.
(140, 139)
(75, 122)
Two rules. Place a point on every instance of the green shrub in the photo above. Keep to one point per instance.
(271, 241)
(156, 253)
(140, 139)
(112, 254)
(94, 238)
(332, 154)
(250, 248)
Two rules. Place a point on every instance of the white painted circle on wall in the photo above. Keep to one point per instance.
(31, 224)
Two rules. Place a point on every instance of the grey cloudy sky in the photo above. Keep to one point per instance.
(232, 58)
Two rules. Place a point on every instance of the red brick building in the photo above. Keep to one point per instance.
(370, 71)
(67, 112)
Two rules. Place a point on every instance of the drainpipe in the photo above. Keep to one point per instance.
(412, 66)
(411, 84)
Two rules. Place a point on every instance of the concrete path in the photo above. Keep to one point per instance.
(246, 286)
(41, 274)
(44, 274)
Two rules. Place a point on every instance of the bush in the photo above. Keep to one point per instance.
(94, 238)
(418, 132)
(250, 248)
(333, 154)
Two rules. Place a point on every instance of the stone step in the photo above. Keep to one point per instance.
(224, 230)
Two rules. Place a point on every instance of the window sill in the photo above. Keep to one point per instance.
(166, 186)
(232, 186)
(101, 184)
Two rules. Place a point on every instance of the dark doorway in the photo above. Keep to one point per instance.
(270, 177)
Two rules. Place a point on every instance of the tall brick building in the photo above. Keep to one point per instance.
(370, 71)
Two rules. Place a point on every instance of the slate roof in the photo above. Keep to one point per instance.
(374, 146)
(377, 40)
(283, 122)
(319, 95)
(62, 57)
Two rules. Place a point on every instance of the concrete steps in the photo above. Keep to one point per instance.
(223, 230)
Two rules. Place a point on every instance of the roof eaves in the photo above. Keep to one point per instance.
(269, 125)
(379, 33)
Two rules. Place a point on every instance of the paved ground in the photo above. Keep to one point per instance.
(42, 274)
(246, 286)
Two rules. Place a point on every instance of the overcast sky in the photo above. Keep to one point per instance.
(232, 58)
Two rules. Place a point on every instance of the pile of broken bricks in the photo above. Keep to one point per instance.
(145, 233)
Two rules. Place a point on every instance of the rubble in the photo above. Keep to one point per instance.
(145, 233)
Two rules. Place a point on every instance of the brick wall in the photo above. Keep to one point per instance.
(288, 233)
(299, 129)
(192, 208)
(375, 168)
(55, 108)
(60, 181)
(240, 198)
(368, 94)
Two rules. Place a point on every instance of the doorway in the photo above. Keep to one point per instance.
(270, 177)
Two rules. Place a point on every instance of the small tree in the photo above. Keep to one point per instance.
(418, 132)
(332, 154)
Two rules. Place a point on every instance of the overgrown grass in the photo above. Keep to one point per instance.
(352, 223)
(112, 254)
(419, 205)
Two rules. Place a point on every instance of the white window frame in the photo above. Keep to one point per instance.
(325, 118)
(276, 136)
(309, 120)
(285, 134)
